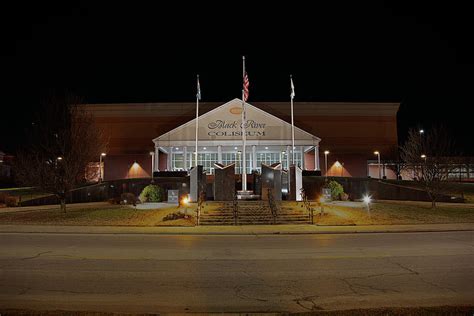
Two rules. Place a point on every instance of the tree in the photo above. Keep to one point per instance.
(63, 141)
(431, 158)
(395, 163)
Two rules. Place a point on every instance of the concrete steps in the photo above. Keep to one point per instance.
(253, 213)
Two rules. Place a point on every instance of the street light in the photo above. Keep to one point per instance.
(152, 155)
(185, 202)
(367, 200)
(421, 132)
(423, 156)
(326, 153)
(101, 171)
(378, 155)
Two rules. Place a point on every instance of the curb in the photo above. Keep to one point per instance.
(385, 230)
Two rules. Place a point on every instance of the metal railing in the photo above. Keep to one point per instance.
(272, 204)
(307, 205)
(200, 206)
(235, 206)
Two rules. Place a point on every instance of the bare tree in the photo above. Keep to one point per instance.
(431, 158)
(395, 163)
(64, 140)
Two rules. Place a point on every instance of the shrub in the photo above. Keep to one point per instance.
(152, 193)
(336, 189)
(115, 200)
(174, 216)
(11, 201)
(128, 198)
(344, 196)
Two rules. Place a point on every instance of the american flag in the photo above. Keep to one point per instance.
(292, 95)
(198, 94)
(246, 87)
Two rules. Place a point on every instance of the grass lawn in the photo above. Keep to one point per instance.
(464, 189)
(113, 215)
(336, 213)
(389, 213)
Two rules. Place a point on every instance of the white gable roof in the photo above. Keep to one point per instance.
(223, 124)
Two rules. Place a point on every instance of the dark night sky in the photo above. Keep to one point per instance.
(417, 55)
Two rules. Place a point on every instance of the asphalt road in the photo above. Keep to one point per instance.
(272, 273)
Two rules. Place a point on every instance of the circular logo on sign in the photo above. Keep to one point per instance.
(235, 110)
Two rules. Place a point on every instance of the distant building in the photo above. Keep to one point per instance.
(138, 133)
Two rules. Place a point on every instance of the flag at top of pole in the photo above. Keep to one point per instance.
(292, 95)
(198, 94)
(246, 87)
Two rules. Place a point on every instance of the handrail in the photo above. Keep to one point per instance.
(235, 205)
(272, 204)
(200, 206)
(307, 205)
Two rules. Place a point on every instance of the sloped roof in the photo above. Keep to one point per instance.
(223, 123)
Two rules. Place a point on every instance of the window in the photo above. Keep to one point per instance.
(207, 160)
(177, 162)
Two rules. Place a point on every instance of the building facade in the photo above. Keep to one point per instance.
(161, 136)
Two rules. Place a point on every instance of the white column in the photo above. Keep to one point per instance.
(302, 157)
(168, 161)
(254, 157)
(185, 157)
(288, 157)
(152, 156)
(316, 158)
(157, 158)
(219, 154)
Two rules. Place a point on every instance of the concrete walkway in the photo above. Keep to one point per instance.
(236, 230)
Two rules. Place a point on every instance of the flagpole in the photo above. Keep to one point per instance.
(244, 137)
(197, 121)
(292, 122)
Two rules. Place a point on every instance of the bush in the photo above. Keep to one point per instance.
(174, 216)
(128, 198)
(11, 201)
(152, 193)
(344, 196)
(336, 189)
(115, 200)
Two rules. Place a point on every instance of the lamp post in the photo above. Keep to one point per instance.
(378, 155)
(100, 166)
(423, 156)
(152, 155)
(367, 199)
(326, 153)
(421, 132)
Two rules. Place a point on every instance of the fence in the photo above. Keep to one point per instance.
(113, 189)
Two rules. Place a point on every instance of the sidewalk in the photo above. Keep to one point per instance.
(236, 230)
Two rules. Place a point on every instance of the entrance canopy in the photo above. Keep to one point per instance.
(220, 136)
(222, 126)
